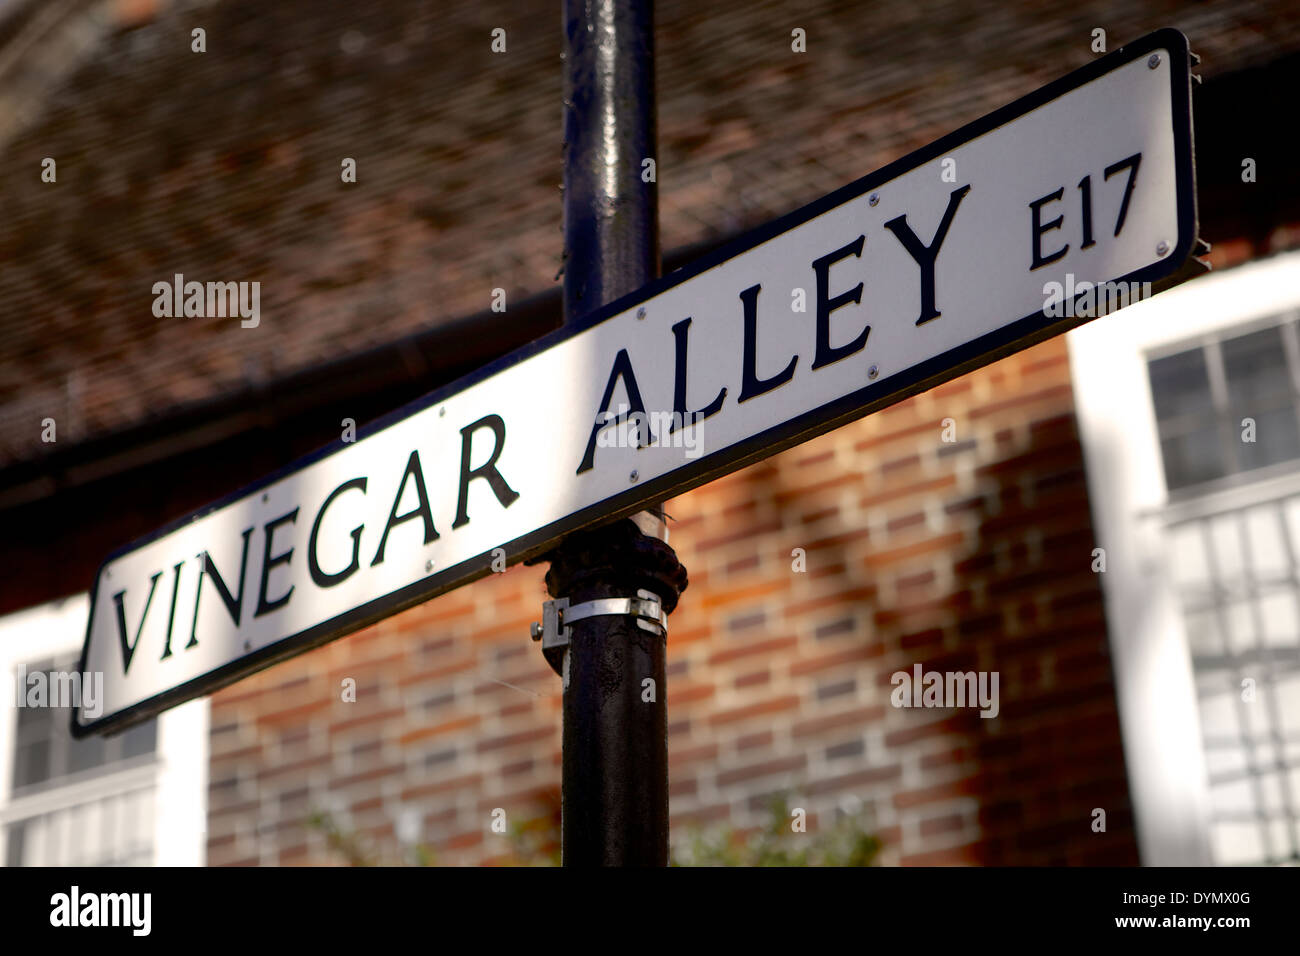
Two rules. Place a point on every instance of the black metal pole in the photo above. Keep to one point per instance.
(611, 213)
(615, 762)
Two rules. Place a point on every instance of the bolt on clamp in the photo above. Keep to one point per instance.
(554, 629)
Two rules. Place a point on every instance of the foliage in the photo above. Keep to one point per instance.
(345, 843)
(536, 842)
(353, 848)
(848, 842)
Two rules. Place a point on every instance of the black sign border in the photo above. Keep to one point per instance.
(988, 348)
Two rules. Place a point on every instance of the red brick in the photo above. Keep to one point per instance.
(515, 739)
(907, 490)
(894, 556)
(750, 741)
(969, 855)
(773, 706)
(702, 753)
(945, 824)
(859, 716)
(765, 769)
(683, 788)
(853, 655)
(467, 782)
(689, 693)
(363, 719)
(753, 678)
(772, 645)
(437, 730)
(944, 791)
(850, 781)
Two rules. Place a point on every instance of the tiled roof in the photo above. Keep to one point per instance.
(224, 165)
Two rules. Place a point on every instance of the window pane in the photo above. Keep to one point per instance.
(139, 740)
(1256, 369)
(45, 749)
(1180, 385)
(1193, 457)
(33, 721)
(31, 763)
(84, 754)
(1277, 435)
(1248, 747)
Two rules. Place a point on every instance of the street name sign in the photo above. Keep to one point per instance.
(1060, 206)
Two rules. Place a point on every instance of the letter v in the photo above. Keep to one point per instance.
(128, 650)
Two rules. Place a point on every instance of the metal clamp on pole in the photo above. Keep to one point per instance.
(557, 616)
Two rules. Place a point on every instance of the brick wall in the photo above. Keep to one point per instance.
(970, 554)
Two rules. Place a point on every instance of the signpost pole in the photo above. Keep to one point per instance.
(615, 761)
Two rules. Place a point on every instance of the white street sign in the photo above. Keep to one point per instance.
(993, 238)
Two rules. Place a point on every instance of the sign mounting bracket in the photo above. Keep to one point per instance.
(558, 615)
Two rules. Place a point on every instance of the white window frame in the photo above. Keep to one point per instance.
(178, 773)
(1158, 707)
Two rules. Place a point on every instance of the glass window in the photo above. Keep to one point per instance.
(1227, 407)
(1242, 629)
(1255, 368)
(1180, 385)
(45, 749)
